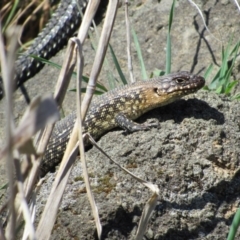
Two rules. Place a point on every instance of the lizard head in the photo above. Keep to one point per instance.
(181, 82)
(167, 89)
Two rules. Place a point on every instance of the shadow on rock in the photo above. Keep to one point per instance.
(182, 109)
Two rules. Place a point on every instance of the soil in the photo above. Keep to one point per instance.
(194, 154)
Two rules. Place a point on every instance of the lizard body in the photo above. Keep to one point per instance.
(118, 108)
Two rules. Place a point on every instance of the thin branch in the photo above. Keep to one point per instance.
(130, 66)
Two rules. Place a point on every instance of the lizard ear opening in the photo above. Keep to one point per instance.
(156, 90)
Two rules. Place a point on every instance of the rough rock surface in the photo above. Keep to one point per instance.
(193, 156)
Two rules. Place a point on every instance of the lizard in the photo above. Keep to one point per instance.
(62, 25)
(118, 108)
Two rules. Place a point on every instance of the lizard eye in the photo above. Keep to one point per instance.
(180, 80)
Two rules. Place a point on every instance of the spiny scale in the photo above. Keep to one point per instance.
(118, 108)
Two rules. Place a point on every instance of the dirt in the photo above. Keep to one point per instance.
(194, 154)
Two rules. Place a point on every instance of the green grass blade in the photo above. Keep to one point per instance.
(215, 82)
(234, 226)
(57, 66)
(111, 80)
(219, 89)
(122, 77)
(236, 96)
(171, 16)
(223, 69)
(139, 53)
(230, 87)
(223, 80)
(225, 54)
(234, 54)
(83, 90)
(106, 65)
(4, 186)
(11, 15)
(169, 49)
(43, 60)
(229, 71)
(158, 72)
(98, 85)
(235, 49)
(208, 71)
(168, 54)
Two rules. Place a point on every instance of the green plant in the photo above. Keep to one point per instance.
(100, 88)
(139, 54)
(221, 82)
(234, 226)
(169, 51)
(157, 72)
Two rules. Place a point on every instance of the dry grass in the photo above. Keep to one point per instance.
(22, 175)
(32, 15)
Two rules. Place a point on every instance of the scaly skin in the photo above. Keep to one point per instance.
(63, 23)
(118, 108)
